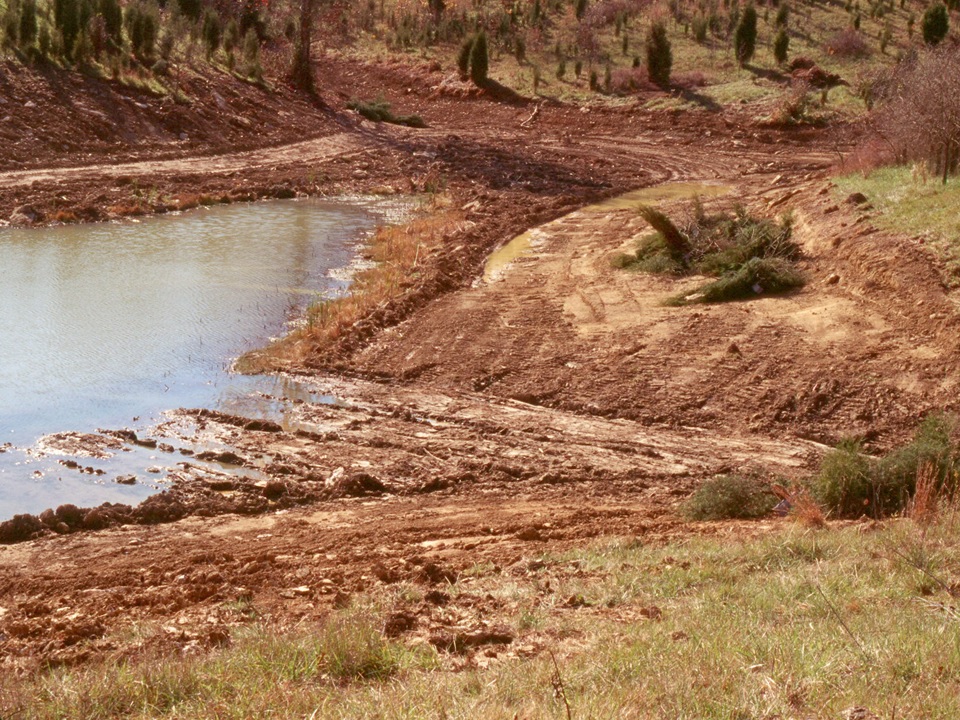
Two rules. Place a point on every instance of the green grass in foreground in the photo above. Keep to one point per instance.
(912, 203)
(796, 624)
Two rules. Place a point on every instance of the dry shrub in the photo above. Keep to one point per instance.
(689, 80)
(801, 505)
(133, 209)
(624, 81)
(924, 507)
(847, 44)
(397, 252)
(918, 110)
(806, 510)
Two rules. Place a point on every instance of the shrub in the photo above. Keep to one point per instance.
(935, 24)
(67, 20)
(190, 8)
(142, 22)
(28, 23)
(231, 35)
(700, 27)
(251, 55)
(112, 16)
(783, 16)
(463, 56)
(850, 484)
(745, 38)
(749, 255)
(781, 46)
(730, 497)
(847, 43)
(844, 483)
(479, 60)
(659, 55)
(211, 32)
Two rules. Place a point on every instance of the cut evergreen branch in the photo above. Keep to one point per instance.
(379, 111)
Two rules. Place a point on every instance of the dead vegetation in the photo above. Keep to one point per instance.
(395, 254)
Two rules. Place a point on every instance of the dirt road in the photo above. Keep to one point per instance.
(486, 418)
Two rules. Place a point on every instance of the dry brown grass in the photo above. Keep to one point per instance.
(803, 507)
(397, 253)
(924, 508)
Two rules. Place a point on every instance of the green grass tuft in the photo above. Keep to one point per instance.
(728, 497)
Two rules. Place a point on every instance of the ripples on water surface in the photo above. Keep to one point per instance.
(102, 324)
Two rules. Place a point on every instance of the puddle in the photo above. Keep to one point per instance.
(108, 325)
(526, 243)
(521, 245)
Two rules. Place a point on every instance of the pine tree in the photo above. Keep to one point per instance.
(745, 38)
(479, 60)
(781, 46)
(659, 55)
(463, 57)
(28, 23)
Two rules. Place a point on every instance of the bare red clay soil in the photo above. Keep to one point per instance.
(484, 420)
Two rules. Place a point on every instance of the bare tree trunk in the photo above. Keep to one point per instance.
(302, 71)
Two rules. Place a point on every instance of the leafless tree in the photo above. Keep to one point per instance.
(918, 113)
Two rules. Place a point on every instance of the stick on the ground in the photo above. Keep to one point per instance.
(532, 115)
(558, 689)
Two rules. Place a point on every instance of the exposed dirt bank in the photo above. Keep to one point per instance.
(482, 421)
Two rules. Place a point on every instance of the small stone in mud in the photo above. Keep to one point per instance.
(125, 479)
(399, 623)
(165, 447)
(274, 489)
(219, 484)
(155, 469)
(437, 597)
(263, 426)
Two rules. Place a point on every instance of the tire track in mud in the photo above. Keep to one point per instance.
(309, 151)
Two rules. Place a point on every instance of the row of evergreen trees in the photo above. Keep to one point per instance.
(77, 31)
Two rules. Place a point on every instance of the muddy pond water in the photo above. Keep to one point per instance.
(107, 325)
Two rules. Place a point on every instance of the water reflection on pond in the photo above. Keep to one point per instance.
(107, 325)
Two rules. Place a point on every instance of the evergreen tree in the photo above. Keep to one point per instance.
(112, 16)
(781, 46)
(936, 24)
(745, 38)
(463, 57)
(479, 60)
(659, 55)
(28, 23)
(211, 32)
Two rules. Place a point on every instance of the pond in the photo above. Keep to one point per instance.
(107, 325)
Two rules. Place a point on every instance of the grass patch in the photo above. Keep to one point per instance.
(262, 673)
(911, 202)
(730, 496)
(748, 255)
(794, 624)
(396, 253)
(379, 111)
